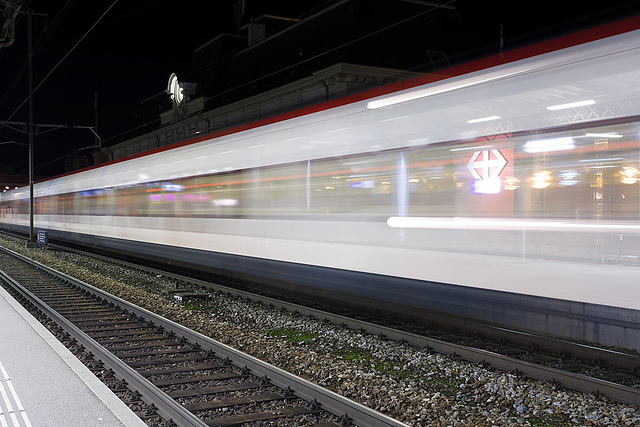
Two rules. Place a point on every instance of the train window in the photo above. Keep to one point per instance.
(596, 178)
(278, 191)
(593, 180)
(361, 187)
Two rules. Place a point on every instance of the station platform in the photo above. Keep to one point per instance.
(44, 384)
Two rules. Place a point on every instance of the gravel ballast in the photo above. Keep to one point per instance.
(413, 385)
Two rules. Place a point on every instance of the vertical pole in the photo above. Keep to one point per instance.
(31, 205)
(95, 124)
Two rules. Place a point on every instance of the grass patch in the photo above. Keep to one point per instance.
(352, 354)
(366, 359)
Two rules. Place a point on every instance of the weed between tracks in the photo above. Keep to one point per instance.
(200, 306)
(365, 358)
(293, 336)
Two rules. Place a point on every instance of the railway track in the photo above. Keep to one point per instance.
(456, 344)
(169, 374)
(611, 373)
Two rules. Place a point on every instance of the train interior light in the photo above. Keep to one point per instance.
(487, 185)
(612, 135)
(571, 105)
(484, 77)
(541, 180)
(551, 144)
(483, 119)
(629, 175)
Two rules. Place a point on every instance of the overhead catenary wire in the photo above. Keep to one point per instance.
(444, 4)
(48, 31)
(60, 62)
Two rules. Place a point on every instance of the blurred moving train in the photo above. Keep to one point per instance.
(507, 191)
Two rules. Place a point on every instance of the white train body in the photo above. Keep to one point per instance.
(520, 178)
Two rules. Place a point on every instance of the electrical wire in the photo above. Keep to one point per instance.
(61, 61)
(48, 31)
(350, 42)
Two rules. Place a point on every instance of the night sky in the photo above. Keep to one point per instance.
(130, 53)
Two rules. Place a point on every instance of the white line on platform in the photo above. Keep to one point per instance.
(4, 378)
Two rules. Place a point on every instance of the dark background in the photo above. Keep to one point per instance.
(129, 54)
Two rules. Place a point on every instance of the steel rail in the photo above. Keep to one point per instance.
(329, 401)
(568, 379)
(167, 407)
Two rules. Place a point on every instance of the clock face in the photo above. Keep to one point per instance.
(174, 89)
